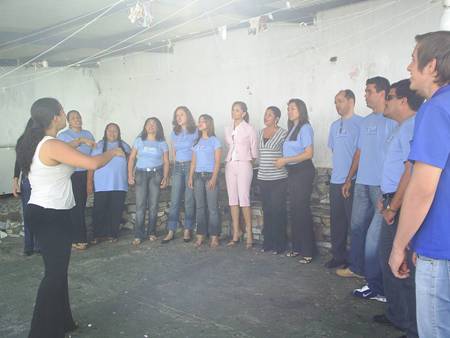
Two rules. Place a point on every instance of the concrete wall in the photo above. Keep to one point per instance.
(208, 74)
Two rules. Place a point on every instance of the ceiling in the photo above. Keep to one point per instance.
(96, 29)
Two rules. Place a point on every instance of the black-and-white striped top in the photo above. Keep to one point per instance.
(269, 152)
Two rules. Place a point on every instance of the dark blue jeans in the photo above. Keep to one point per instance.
(147, 196)
(180, 178)
(30, 241)
(207, 205)
(400, 293)
(365, 236)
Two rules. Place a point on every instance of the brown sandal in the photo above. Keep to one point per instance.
(214, 242)
(199, 241)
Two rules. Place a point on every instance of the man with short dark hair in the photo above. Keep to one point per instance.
(342, 140)
(366, 219)
(401, 106)
(425, 215)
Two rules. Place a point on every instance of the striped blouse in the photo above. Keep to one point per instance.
(269, 152)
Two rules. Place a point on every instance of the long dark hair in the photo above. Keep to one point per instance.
(304, 119)
(119, 138)
(243, 108)
(42, 113)
(209, 127)
(159, 132)
(190, 127)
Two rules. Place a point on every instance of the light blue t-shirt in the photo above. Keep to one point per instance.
(431, 145)
(113, 176)
(149, 153)
(205, 154)
(304, 139)
(182, 143)
(69, 135)
(343, 140)
(375, 129)
(396, 153)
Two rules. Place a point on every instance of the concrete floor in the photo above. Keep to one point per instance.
(176, 290)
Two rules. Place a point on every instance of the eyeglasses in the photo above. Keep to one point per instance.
(391, 97)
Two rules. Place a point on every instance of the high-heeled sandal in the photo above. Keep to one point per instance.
(199, 241)
(187, 236)
(305, 260)
(170, 237)
(214, 242)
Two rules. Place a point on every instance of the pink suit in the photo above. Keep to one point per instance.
(242, 149)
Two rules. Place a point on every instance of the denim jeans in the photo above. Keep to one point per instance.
(30, 241)
(180, 179)
(365, 235)
(147, 196)
(207, 205)
(433, 297)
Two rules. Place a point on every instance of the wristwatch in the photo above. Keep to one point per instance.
(388, 208)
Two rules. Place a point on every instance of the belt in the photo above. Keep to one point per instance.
(155, 169)
(388, 195)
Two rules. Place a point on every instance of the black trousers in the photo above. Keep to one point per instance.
(400, 293)
(107, 213)
(340, 216)
(80, 234)
(300, 185)
(52, 316)
(273, 198)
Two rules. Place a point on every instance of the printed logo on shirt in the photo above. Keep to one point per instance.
(371, 130)
(150, 150)
(342, 133)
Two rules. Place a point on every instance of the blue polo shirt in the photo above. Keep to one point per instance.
(375, 129)
(113, 176)
(396, 152)
(149, 153)
(182, 143)
(342, 140)
(304, 139)
(205, 154)
(69, 135)
(431, 145)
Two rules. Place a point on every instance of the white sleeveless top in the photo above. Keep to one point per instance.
(51, 186)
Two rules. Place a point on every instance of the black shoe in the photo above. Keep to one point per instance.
(383, 320)
(334, 263)
(27, 253)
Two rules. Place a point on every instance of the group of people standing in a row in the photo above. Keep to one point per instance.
(372, 161)
(284, 161)
(391, 182)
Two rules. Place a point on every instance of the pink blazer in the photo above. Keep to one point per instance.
(244, 142)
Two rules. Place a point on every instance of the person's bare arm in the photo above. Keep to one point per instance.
(90, 182)
(166, 168)
(213, 181)
(55, 151)
(307, 154)
(417, 201)
(131, 163)
(351, 173)
(397, 200)
(192, 170)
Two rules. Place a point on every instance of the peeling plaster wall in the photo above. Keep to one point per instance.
(208, 74)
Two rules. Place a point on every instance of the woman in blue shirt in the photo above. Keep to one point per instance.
(84, 141)
(183, 137)
(150, 155)
(205, 167)
(297, 154)
(110, 186)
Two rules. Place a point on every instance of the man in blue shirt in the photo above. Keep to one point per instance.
(425, 215)
(366, 219)
(342, 140)
(402, 104)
